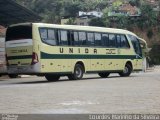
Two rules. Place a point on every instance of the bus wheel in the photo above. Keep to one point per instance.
(13, 75)
(52, 78)
(127, 71)
(104, 75)
(78, 72)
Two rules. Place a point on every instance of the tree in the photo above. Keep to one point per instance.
(122, 21)
(97, 22)
(71, 21)
(70, 8)
(135, 3)
(148, 16)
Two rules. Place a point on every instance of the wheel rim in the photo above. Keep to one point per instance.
(78, 72)
(125, 69)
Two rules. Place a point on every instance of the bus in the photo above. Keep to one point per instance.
(56, 50)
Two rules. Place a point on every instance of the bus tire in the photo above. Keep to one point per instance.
(104, 75)
(13, 75)
(127, 71)
(52, 78)
(78, 72)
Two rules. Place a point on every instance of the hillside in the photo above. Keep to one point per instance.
(146, 25)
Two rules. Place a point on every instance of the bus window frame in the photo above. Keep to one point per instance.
(111, 40)
(81, 45)
(70, 43)
(105, 43)
(77, 37)
(138, 45)
(95, 40)
(57, 40)
(90, 45)
(59, 35)
(127, 42)
(118, 46)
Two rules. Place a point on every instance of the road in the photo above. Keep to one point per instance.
(139, 93)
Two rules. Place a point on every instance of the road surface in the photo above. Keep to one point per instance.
(139, 93)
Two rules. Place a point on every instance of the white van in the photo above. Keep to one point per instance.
(3, 64)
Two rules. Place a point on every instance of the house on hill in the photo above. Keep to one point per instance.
(83, 18)
(126, 10)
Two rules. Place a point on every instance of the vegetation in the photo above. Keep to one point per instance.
(147, 25)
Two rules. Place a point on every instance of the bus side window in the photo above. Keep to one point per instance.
(98, 41)
(43, 34)
(76, 39)
(118, 41)
(90, 38)
(112, 40)
(124, 42)
(105, 40)
(64, 37)
(48, 36)
(51, 37)
(82, 38)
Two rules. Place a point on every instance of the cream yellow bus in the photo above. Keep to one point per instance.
(70, 50)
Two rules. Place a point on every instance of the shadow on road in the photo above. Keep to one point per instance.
(59, 81)
(67, 80)
(62, 80)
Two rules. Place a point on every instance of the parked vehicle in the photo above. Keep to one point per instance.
(70, 50)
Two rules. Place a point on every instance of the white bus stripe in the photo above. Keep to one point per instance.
(19, 43)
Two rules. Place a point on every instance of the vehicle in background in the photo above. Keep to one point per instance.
(3, 65)
(70, 50)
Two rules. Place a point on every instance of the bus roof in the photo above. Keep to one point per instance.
(87, 28)
(78, 27)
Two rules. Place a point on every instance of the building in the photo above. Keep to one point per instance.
(83, 18)
(152, 2)
(91, 13)
(126, 10)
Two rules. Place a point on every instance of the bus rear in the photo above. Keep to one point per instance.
(20, 52)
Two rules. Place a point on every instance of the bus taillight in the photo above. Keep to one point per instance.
(34, 58)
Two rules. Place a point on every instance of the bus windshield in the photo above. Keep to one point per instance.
(136, 45)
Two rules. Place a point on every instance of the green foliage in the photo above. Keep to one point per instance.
(148, 16)
(53, 10)
(135, 3)
(62, 7)
(97, 22)
(150, 33)
(50, 17)
(122, 22)
(71, 21)
(154, 54)
(117, 3)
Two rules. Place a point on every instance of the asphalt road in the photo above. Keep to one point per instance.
(139, 93)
